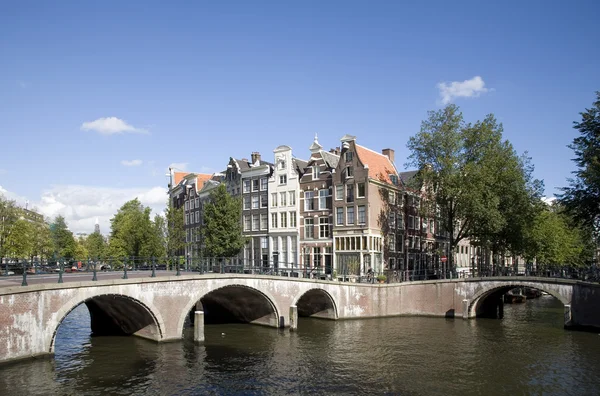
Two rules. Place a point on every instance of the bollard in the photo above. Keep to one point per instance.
(61, 268)
(95, 278)
(24, 282)
(199, 326)
(293, 317)
(125, 268)
(153, 267)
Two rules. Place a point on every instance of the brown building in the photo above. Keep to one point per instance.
(358, 206)
(316, 220)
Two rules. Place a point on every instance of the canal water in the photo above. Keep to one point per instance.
(526, 353)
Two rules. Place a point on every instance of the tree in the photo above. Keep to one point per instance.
(95, 245)
(8, 217)
(175, 231)
(460, 168)
(582, 197)
(19, 242)
(133, 233)
(222, 232)
(81, 251)
(41, 240)
(62, 239)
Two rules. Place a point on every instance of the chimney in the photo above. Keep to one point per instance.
(335, 151)
(255, 157)
(388, 152)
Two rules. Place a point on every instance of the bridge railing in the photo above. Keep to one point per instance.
(95, 269)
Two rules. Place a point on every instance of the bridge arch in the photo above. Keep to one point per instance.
(234, 303)
(316, 303)
(113, 314)
(494, 292)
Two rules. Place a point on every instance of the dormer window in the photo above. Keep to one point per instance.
(282, 164)
(348, 172)
(349, 156)
(316, 172)
(394, 179)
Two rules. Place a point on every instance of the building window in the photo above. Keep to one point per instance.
(246, 186)
(283, 179)
(187, 205)
(283, 219)
(350, 215)
(309, 202)
(339, 215)
(273, 220)
(411, 222)
(400, 221)
(349, 172)
(247, 224)
(349, 193)
(255, 203)
(309, 228)
(263, 221)
(323, 198)
(324, 227)
(392, 242)
(317, 257)
(187, 219)
(316, 172)
(349, 155)
(191, 204)
(274, 199)
(392, 198)
(283, 199)
(255, 222)
(360, 190)
(263, 200)
(362, 214)
(339, 192)
(282, 164)
(263, 184)
(292, 219)
(187, 235)
(198, 202)
(254, 185)
(197, 217)
(246, 202)
(292, 198)
(417, 223)
(264, 243)
(431, 226)
(392, 220)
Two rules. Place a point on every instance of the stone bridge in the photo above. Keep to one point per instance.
(158, 308)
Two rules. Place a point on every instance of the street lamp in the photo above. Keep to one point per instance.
(406, 255)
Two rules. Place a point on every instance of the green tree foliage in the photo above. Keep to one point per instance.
(81, 251)
(582, 197)
(133, 233)
(464, 168)
(42, 241)
(19, 242)
(175, 230)
(8, 217)
(554, 240)
(222, 232)
(95, 245)
(64, 244)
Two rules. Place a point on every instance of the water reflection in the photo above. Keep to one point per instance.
(527, 352)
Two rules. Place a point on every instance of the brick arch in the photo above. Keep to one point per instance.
(482, 294)
(73, 303)
(320, 304)
(268, 298)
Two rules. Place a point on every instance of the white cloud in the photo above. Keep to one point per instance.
(461, 89)
(179, 166)
(135, 162)
(81, 205)
(110, 126)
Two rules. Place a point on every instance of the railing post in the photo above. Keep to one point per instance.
(61, 268)
(125, 268)
(177, 265)
(153, 267)
(24, 282)
(95, 278)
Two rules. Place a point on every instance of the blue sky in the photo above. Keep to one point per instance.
(193, 83)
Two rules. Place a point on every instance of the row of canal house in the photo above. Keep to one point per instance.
(347, 209)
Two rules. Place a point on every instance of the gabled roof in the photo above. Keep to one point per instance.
(331, 159)
(299, 164)
(178, 176)
(380, 166)
(407, 176)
